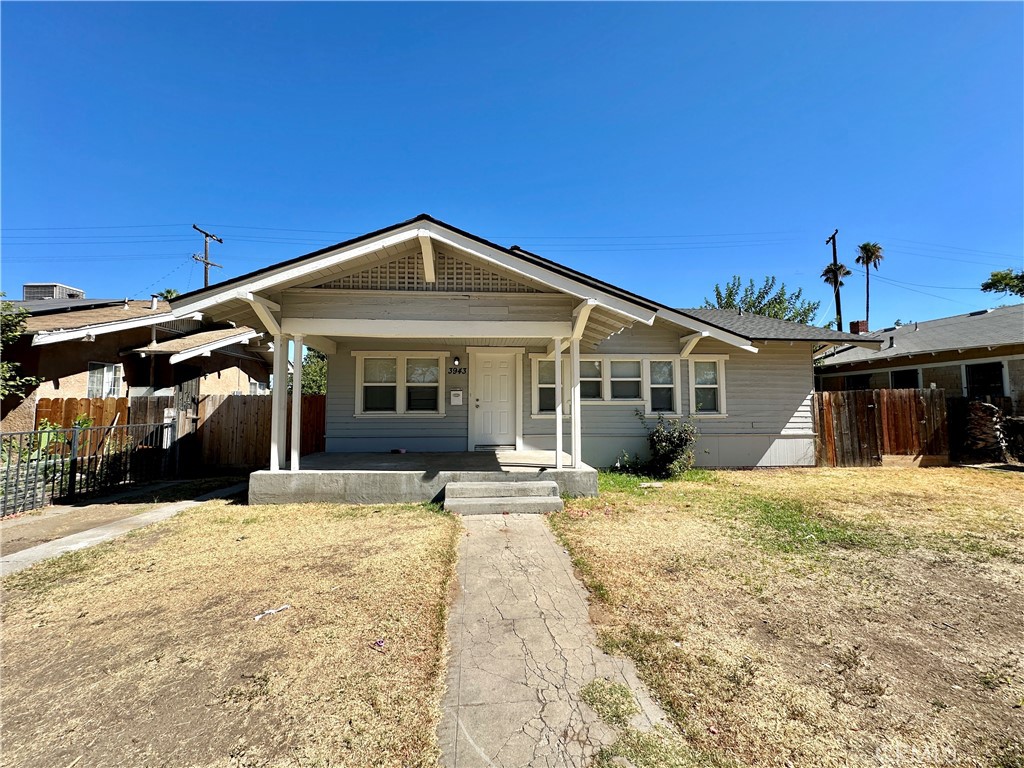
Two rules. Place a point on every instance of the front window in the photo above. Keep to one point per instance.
(625, 379)
(105, 380)
(707, 385)
(662, 386)
(399, 383)
(380, 385)
(422, 377)
(590, 380)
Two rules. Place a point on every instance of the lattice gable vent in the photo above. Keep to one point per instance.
(452, 275)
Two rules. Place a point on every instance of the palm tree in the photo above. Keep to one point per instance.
(868, 254)
(168, 293)
(833, 274)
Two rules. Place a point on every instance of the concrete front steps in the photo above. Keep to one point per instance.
(495, 498)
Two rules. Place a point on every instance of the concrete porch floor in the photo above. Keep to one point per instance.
(380, 478)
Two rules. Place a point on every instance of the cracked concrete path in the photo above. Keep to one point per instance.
(522, 648)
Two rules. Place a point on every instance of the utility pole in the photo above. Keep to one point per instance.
(835, 288)
(205, 261)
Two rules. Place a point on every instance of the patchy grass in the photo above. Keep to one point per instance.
(145, 651)
(613, 702)
(815, 617)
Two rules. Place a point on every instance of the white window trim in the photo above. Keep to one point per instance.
(113, 373)
(400, 385)
(606, 390)
(722, 411)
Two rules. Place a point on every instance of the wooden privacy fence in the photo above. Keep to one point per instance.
(223, 430)
(234, 430)
(857, 428)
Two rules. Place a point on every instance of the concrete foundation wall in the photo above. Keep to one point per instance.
(368, 487)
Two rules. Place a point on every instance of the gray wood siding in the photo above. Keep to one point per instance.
(380, 305)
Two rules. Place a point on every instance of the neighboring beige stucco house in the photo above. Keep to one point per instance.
(82, 348)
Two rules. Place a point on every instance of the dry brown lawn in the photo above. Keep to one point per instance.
(818, 617)
(145, 652)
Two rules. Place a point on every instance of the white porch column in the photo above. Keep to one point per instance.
(577, 416)
(277, 401)
(296, 402)
(558, 402)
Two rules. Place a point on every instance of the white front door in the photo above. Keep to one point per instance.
(492, 400)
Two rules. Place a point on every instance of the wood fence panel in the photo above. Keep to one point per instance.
(859, 428)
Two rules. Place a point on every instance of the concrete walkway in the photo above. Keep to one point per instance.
(522, 647)
(27, 557)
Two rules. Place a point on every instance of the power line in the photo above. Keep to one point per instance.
(112, 226)
(953, 247)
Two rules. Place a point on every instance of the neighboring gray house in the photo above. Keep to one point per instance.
(440, 341)
(977, 355)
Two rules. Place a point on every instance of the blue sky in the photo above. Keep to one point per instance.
(661, 147)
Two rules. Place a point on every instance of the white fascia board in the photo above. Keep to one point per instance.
(206, 349)
(55, 337)
(715, 333)
(425, 329)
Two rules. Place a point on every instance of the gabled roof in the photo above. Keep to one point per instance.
(987, 328)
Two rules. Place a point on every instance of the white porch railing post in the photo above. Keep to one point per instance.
(558, 403)
(296, 402)
(577, 415)
(277, 400)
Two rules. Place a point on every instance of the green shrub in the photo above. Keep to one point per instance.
(671, 447)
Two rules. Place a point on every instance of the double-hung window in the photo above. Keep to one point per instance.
(626, 381)
(399, 383)
(544, 388)
(707, 385)
(105, 380)
(591, 381)
(663, 386)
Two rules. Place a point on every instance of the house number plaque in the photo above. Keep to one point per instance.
(457, 370)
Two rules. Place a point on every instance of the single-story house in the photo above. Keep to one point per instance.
(96, 348)
(976, 355)
(440, 341)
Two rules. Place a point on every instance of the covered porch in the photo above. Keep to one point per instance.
(370, 478)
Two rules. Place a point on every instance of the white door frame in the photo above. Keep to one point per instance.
(472, 358)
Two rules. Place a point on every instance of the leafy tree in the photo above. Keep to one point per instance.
(833, 274)
(168, 293)
(1005, 281)
(869, 254)
(12, 325)
(765, 300)
(314, 373)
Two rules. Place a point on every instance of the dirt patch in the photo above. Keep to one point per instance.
(146, 652)
(819, 618)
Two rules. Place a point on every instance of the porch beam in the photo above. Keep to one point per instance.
(322, 344)
(557, 346)
(689, 342)
(580, 316)
(577, 416)
(280, 369)
(427, 249)
(264, 309)
(296, 403)
(426, 329)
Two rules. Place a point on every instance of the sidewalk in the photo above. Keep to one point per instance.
(25, 558)
(522, 648)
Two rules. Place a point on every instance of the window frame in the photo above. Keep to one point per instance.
(719, 361)
(113, 376)
(401, 384)
(606, 394)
